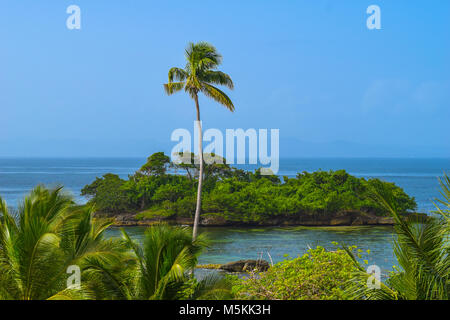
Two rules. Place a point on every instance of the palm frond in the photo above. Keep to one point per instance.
(177, 74)
(357, 288)
(217, 77)
(201, 56)
(50, 234)
(217, 95)
(213, 287)
(173, 87)
(444, 211)
(72, 294)
(421, 249)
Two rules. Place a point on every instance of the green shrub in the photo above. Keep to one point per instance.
(107, 194)
(318, 274)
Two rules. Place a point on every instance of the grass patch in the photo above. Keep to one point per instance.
(153, 213)
(208, 266)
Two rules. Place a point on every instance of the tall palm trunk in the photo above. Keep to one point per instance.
(200, 75)
(200, 174)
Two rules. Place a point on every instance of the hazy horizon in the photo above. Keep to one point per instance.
(289, 148)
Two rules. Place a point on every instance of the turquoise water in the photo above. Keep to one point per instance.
(230, 244)
(417, 176)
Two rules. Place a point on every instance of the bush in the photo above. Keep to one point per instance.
(107, 194)
(318, 274)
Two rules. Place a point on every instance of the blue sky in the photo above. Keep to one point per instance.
(309, 68)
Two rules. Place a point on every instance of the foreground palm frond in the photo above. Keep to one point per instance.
(445, 210)
(49, 233)
(46, 235)
(212, 287)
(421, 248)
(164, 258)
(156, 269)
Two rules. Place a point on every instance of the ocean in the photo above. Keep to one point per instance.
(418, 177)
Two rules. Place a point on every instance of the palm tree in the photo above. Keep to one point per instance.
(422, 250)
(167, 253)
(161, 267)
(200, 75)
(46, 235)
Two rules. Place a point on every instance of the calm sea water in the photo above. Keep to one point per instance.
(275, 243)
(418, 177)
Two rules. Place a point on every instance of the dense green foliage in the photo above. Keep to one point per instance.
(236, 195)
(317, 275)
(51, 235)
(421, 247)
(160, 268)
(422, 250)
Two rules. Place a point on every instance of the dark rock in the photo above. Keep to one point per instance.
(245, 265)
(385, 221)
(209, 220)
(358, 222)
(341, 221)
(347, 218)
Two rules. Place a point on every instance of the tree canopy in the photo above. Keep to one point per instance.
(235, 194)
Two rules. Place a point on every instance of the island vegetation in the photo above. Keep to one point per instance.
(166, 190)
(50, 238)
(423, 270)
(49, 234)
(317, 275)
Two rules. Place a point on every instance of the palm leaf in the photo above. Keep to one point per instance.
(173, 87)
(217, 77)
(217, 95)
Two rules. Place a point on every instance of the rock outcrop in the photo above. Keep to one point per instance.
(349, 218)
(245, 266)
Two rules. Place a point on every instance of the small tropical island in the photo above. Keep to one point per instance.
(164, 190)
(51, 247)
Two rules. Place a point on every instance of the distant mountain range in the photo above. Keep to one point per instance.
(292, 147)
(289, 148)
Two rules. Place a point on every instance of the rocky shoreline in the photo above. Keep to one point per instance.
(240, 266)
(323, 220)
